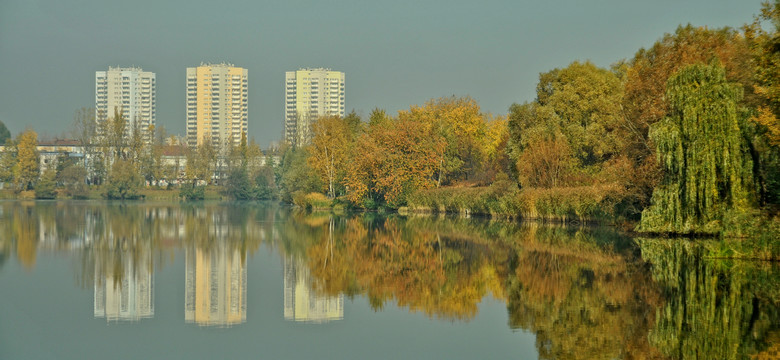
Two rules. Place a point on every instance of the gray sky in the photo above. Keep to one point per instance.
(394, 53)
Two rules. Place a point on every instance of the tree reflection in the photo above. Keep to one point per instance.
(440, 274)
(582, 294)
(714, 308)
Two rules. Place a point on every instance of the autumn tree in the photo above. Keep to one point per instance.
(461, 124)
(765, 46)
(112, 132)
(409, 159)
(27, 166)
(366, 159)
(546, 163)
(701, 147)
(329, 150)
(494, 148)
(150, 163)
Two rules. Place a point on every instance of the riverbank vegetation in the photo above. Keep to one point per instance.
(682, 139)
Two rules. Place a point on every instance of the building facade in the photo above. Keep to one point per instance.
(217, 104)
(309, 94)
(131, 92)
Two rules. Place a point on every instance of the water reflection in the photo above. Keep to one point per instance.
(585, 293)
(215, 286)
(124, 289)
(301, 302)
(714, 308)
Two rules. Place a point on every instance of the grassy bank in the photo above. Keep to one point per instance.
(583, 204)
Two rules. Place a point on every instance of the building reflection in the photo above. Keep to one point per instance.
(301, 303)
(124, 287)
(215, 286)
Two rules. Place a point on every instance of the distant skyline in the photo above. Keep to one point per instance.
(394, 54)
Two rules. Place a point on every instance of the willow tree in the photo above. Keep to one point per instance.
(700, 145)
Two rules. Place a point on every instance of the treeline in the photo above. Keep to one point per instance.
(118, 159)
(681, 135)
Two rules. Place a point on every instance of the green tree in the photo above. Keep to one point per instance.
(294, 174)
(72, 179)
(700, 145)
(5, 135)
(123, 181)
(46, 186)
(577, 113)
(238, 186)
(8, 161)
(27, 166)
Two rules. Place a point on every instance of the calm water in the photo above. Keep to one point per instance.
(158, 280)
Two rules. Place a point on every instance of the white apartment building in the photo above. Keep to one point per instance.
(217, 104)
(131, 91)
(309, 94)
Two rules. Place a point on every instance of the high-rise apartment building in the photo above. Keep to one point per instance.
(309, 94)
(129, 91)
(217, 104)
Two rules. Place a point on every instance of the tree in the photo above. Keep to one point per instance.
(495, 148)
(409, 158)
(46, 186)
(765, 46)
(123, 182)
(701, 148)
(294, 174)
(151, 162)
(27, 166)
(328, 150)
(459, 122)
(238, 185)
(200, 162)
(577, 112)
(8, 161)
(546, 163)
(5, 135)
(72, 178)
(647, 73)
(84, 130)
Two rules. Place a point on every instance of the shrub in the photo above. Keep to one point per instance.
(45, 188)
(123, 183)
(192, 192)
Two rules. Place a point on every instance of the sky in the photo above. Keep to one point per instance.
(394, 53)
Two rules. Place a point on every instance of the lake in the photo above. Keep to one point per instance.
(90, 279)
